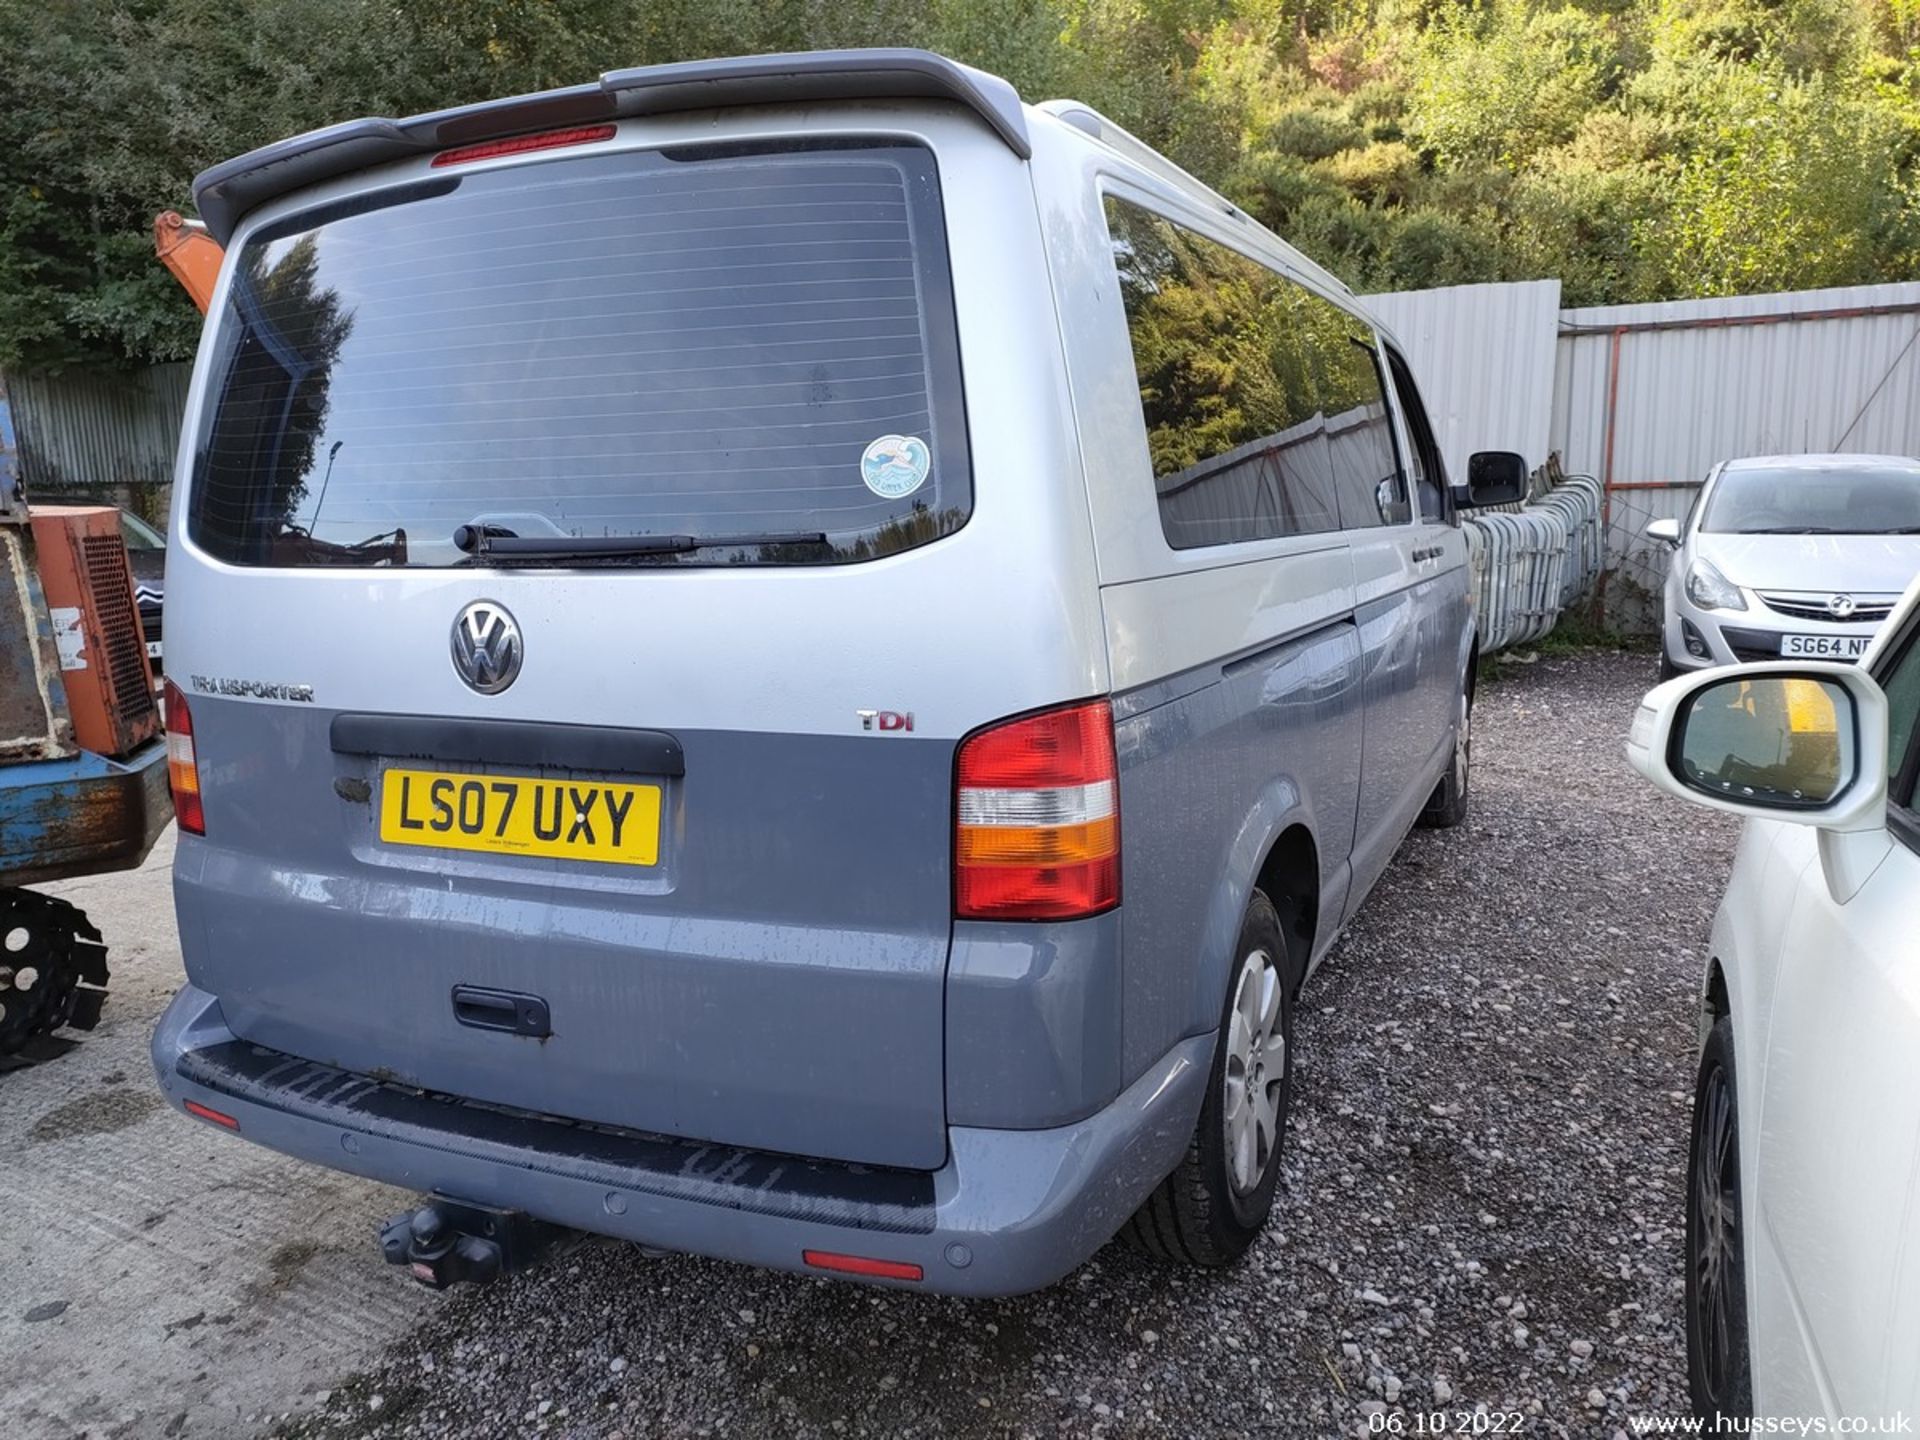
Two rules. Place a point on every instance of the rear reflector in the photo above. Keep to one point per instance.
(1037, 818)
(194, 1107)
(862, 1265)
(183, 767)
(521, 144)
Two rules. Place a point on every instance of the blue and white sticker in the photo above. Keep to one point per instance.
(896, 465)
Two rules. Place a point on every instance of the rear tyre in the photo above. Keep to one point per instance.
(1719, 1369)
(1208, 1211)
(1447, 806)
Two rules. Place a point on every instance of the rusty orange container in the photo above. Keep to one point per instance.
(88, 586)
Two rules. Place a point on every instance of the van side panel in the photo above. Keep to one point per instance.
(1236, 669)
(1207, 782)
(1399, 744)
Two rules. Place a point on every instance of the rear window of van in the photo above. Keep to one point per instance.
(701, 342)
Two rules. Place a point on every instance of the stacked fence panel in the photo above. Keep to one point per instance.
(1531, 562)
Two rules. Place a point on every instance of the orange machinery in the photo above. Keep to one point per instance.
(194, 256)
(96, 627)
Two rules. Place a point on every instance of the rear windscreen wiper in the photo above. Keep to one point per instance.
(492, 542)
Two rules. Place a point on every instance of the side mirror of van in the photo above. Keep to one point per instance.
(1390, 503)
(1666, 531)
(1494, 477)
(1799, 741)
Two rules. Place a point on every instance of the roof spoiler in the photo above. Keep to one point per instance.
(228, 191)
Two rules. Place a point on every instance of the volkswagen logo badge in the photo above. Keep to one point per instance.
(1841, 607)
(486, 646)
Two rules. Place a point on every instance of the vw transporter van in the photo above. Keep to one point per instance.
(790, 659)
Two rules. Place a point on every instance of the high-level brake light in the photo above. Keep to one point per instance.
(521, 144)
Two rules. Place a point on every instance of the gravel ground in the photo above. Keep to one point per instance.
(1482, 1203)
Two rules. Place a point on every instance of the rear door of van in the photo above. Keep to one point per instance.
(587, 562)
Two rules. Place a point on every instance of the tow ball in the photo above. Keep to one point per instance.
(447, 1241)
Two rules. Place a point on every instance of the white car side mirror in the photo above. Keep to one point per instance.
(1799, 741)
(1667, 532)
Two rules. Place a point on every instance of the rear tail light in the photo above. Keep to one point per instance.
(521, 144)
(1037, 818)
(183, 769)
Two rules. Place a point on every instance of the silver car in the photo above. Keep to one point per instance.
(748, 678)
(1789, 557)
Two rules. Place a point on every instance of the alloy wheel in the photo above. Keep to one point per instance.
(1463, 745)
(1256, 1071)
(1716, 1238)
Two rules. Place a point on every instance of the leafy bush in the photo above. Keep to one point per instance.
(1309, 132)
(1498, 85)
(1387, 174)
(1637, 149)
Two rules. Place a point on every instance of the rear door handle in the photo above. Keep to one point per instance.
(504, 1010)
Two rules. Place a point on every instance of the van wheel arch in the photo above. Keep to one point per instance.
(1275, 851)
(1290, 877)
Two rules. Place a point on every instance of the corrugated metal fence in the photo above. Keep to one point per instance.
(1503, 337)
(99, 434)
(1650, 397)
(1646, 398)
(1485, 358)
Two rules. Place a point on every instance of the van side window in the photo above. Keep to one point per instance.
(1901, 681)
(1264, 409)
(1373, 491)
(1429, 471)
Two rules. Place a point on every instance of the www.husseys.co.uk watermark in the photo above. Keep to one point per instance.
(1898, 1423)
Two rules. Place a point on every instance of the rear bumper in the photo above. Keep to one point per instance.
(1011, 1211)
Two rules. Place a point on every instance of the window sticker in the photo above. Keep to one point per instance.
(896, 465)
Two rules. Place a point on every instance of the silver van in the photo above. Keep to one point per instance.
(791, 659)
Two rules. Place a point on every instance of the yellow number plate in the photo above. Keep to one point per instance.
(519, 815)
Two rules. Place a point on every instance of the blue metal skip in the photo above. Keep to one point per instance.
(81, 815)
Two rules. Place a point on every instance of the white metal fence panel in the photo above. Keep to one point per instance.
(1484, 356)
(1533, 562)
(1649, 397)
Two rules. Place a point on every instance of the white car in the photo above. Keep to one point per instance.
(1803, 1210)
(1789, 557)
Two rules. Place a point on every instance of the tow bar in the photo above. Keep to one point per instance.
(447, 1241)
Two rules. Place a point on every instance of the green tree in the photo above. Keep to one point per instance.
(1791, 185)
(1499, 84)
(1637, 149)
